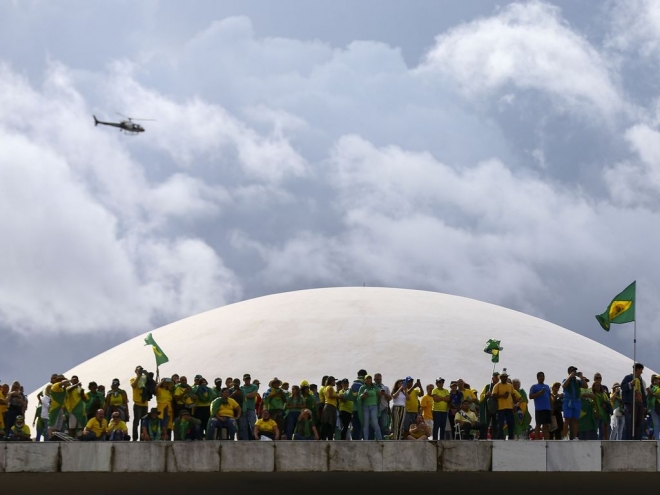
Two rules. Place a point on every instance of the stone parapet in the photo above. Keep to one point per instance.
(284, 456)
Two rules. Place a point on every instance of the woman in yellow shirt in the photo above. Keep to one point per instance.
(117, 400)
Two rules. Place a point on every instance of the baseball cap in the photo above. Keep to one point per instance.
(409, 379)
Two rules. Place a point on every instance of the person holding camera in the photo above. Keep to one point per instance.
(572, 403)
(140, 404)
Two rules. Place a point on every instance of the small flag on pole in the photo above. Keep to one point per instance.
(161, 358)
(493, 348)
(620, 310)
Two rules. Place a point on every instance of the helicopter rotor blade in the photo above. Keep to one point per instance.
(133, 118)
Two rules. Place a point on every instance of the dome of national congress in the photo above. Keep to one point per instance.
(306, 334)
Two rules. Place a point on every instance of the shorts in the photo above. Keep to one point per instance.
(543, 417)
(572, 408)
(74, 423)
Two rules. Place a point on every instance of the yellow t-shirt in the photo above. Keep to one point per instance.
(461, 417)
(227, 409)
(412, 402)
(440, 406)
(178, 394)
(119, 425)
(334, 401)
(502, 388)
(322, 395)
(469, 395)
(266, 426)
(137, 394)
(427, 406)
(347, 405)
(25, 429)
(163, 396)
(116, 397)
(98, 428)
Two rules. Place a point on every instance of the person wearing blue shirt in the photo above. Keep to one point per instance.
(540, 392)
(572, 405)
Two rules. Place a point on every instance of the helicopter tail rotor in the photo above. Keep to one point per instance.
(96, 121)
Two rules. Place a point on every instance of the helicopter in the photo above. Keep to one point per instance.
(127, 126)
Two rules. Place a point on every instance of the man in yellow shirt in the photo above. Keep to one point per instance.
(412, 402)
(426, 403)
(225, 411)
(266, 427)
(96, 428)
(140, 405)
(329, 414)
(440, 408)
(468, 421)
(505, 395)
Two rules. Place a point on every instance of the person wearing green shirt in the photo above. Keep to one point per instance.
(249, 417)
(275, 402)
(368, 397)
(204, 395)
(310, 399)
(186, 427)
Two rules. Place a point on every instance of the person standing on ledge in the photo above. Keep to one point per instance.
(540, 393)
(633, 390)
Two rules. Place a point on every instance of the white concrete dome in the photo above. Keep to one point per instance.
(306, 334)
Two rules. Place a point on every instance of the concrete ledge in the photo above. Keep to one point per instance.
(86, 457)
(139, 457)
(189, 457)
(574, 456)
(30, 457)
(253, 457)
(630, 456)
(3, 457)
(355, 456)
(410, 455)
(464, 455)
(301, 456)
(520, 456)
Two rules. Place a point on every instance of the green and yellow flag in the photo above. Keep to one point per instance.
(161, 358)
(493, 348)
(620, 310)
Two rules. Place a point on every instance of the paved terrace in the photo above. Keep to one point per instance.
(320, 456)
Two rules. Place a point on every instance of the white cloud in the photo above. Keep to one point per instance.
(636, 182)
(527, 46)
(410, 220)
(86, 245)
(636, 27)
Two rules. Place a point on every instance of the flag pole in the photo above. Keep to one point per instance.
(632, 437)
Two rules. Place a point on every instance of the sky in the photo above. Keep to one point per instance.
(503, 151)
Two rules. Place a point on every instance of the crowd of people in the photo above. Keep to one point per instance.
(338, 409)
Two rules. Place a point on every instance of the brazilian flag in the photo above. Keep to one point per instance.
(161, 358)
(493, 348)
(620, 310)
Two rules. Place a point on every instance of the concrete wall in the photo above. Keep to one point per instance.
(387, 456)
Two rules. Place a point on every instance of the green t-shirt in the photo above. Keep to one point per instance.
(372, 398)
(276, 399)
(248, 404)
